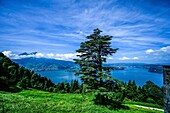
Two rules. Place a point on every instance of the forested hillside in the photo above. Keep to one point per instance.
(14, 78)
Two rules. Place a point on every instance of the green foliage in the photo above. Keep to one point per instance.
(110, 99)
(65, 87)
(150, 100)
(92, 54)
(149, 92)
(153, 93)
(74, 87)
(131, 90)
(14, 78)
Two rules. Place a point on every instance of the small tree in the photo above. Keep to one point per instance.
(131, 90)
(74, 87)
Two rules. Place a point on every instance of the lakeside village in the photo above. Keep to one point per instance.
(154, 68)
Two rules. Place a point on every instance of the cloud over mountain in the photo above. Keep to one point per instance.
(68, 57)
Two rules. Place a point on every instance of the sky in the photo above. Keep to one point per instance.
(55, 28)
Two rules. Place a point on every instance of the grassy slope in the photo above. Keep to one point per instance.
(35, 101)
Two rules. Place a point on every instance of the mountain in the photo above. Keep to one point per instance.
(42, 64)
(25, 53)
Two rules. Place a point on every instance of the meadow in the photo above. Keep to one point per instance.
(36, 101)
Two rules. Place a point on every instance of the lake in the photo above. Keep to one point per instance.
(139, 75)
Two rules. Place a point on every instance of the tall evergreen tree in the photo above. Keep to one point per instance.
(92, 55)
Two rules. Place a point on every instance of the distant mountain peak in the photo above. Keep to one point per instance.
(25, 53)
(33, 53)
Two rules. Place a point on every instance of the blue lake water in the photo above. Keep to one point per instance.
(139, 75)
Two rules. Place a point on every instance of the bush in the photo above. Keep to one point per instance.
(54, 90)
(127, 100)
(110, 99)
(51, 89)
(14, 89)
(150, 100)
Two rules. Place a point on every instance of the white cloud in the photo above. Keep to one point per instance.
(110, 58)
(39, 55)
(124, 58)
(7, 53)
(149, 51)
(165, 50)
(69, 56)
(127, 58)
(50, 55)
(135, 58)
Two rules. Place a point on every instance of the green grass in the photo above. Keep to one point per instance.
(35, 101)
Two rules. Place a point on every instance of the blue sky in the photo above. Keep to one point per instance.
(55, 28)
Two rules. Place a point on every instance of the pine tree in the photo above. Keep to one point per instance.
(131, 90)
(92, 54)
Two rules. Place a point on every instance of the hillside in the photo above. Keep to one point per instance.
(15, 78)
(42, 64)
(36, 101)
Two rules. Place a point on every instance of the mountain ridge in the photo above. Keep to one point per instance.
(25, 53)
(42, 64)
